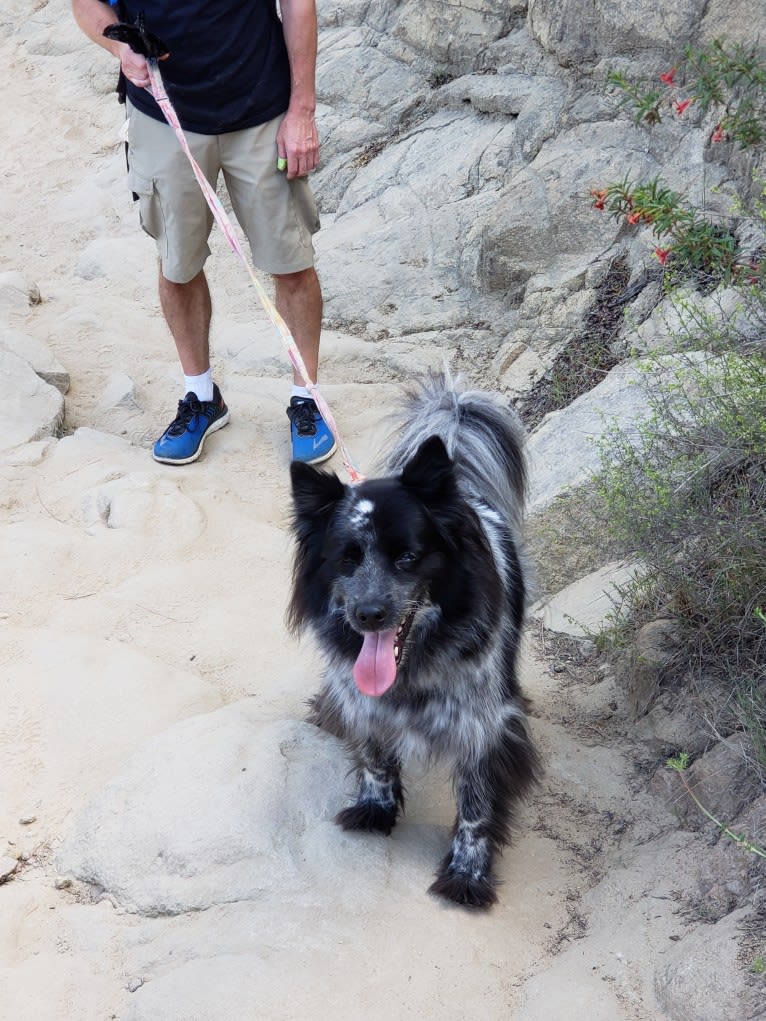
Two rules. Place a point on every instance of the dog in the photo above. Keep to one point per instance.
(413, 584)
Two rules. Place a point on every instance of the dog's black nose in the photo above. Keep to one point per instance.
(370, 615)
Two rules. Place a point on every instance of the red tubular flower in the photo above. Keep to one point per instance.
(681, 104)
(668, 78)
(635, 217)
(717, 135)
(600, 197)
(662, 255)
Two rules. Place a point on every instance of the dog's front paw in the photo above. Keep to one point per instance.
(372, 816)
(464, 888)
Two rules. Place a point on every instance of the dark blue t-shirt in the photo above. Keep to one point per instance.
(228, 66)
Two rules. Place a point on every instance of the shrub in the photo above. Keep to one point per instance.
(689, 500)
(690, 245)
(729, 78)
(694, 247)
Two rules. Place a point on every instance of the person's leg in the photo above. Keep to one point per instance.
(279, 218)
(174, 212)
(187, 309)
(298, 297)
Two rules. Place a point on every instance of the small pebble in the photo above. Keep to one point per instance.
(27, 820)
(134, 984)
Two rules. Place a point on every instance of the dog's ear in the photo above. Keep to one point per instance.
(315, 492)
(429, 472)
(315, 495)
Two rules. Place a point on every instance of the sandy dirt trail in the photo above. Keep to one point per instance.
(138, 597)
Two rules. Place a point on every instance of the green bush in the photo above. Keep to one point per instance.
(687, 496)
(729, 78)
(690, 244)
(689, 501)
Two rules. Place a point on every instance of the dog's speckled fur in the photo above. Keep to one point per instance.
(433, 543)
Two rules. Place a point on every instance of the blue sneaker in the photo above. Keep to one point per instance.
(312, 441)
(182, 441)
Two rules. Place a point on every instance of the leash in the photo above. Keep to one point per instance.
(296, 359)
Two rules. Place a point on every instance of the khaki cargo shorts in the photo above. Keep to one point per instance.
(277, 216)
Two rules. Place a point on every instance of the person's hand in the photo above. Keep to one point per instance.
(298, 143)
(134, 66)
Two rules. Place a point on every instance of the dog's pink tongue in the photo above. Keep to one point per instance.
(375, 667)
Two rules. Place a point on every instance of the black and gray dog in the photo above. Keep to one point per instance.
(413, 584)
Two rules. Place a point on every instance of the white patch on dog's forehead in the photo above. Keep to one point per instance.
(361, 512)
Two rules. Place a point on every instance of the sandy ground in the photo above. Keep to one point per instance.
(111, 635)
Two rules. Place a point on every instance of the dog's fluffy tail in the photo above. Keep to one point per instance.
(482, 433)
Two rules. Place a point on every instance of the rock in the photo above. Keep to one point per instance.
(671, 724)
(452, 34)
(730, 21)
(694, 983)
(136, 502)
(542, 216)
(651, 652)
(721, 779)
(37, 353)
(689, 316)
(438, 140)
(584, 607)
(517, 367)
(17, 292)
(120, 392)
(341, 12)
(563, 450)
(580, 33)
(753, 820)
(116, 260)
(383, 90)
(32, 409)
(397, 243)
(527, 98)
(7, 868)
(208, 813)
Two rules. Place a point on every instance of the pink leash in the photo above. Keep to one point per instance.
(158, 91)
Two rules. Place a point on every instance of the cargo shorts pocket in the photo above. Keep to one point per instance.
(149, 209)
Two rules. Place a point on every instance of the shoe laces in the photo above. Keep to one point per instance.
(188, 408)
(302, 417)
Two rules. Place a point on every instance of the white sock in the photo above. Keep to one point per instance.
(299, 391)
(202, 385)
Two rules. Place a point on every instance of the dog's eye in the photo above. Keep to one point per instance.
(406, 560)
(351, 555)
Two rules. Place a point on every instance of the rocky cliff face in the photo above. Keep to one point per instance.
(460, 145)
